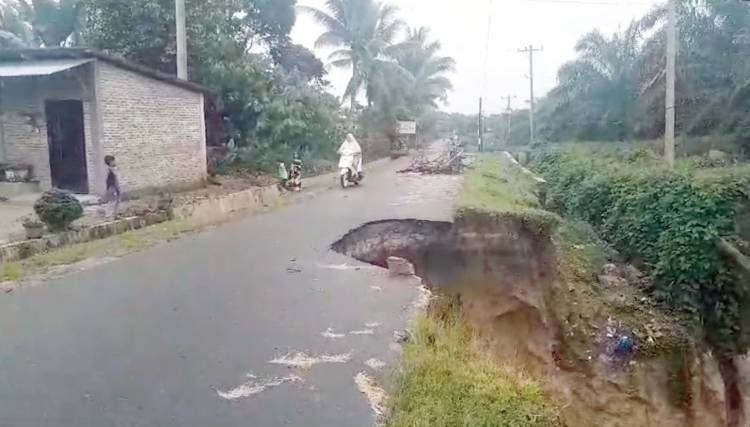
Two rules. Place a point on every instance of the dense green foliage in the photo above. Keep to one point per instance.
(614, 89)
(272, 105)
(58, 209)
(272, 98)
(665, 221)
(39, 23)
(445, 383)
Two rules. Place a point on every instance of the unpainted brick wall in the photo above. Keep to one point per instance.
(23, 122)
(154, 129)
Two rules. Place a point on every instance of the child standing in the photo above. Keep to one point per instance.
(113, 185)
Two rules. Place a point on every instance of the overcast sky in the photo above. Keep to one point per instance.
(461, 26)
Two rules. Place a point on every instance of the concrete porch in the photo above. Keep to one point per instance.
(11, 213)
(15, 208)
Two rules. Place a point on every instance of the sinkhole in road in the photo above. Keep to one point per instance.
(500, 269)
(503, 270)
(462, 255)
(420, 242)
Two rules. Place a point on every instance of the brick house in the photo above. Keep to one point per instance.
(63, 110)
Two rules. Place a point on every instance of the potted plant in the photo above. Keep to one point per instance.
(34, 227)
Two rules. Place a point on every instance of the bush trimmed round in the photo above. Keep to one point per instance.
(58, 209)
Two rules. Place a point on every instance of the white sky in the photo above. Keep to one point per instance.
(461, 26)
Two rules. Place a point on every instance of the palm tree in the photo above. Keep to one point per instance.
(363, 31)
(428, 84)
(602, 83)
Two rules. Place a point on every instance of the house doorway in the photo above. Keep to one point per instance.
(67, 145)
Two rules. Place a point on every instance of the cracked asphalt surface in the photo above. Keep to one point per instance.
(153, 339)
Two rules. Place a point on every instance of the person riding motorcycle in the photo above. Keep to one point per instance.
(351, 159)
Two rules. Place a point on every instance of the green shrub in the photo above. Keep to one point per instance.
(58, 209)
(665, 221)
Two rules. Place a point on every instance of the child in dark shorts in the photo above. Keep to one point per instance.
(113, 185)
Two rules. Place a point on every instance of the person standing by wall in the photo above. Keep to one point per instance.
(113, 186)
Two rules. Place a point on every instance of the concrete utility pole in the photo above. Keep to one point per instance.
(182, 69)
(669, 131)
(509, 112)
(530, 50)
(481, 125)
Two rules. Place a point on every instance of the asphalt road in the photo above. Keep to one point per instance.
(169, 336)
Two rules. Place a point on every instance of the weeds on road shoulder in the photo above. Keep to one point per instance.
(446, 383)
(490, 187)
(11, 272)
(114, 246)
(131, 241)
(494, 190)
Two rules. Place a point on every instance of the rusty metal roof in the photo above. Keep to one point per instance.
(39, 67)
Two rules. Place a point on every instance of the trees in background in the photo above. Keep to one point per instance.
(272, 98)
(428, 83)
(273, 104)
(362, 32)
(614, 89)
(39, 23)
(399, 70)
(15, 29)
(597, 93)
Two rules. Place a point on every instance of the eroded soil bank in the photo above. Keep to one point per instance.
(609, 364)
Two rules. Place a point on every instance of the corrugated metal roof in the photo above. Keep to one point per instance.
(39, 68)
(60, 53)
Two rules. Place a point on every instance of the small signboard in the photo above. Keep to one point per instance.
(407, 128)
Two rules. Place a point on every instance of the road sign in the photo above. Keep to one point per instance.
(407, 128)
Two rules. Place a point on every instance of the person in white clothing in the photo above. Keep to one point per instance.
(351, 154)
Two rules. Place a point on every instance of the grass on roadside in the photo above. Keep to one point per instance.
(493, 190)
(132, 241)
(445, 382)
(487, 188)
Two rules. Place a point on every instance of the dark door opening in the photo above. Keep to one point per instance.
(67, 145)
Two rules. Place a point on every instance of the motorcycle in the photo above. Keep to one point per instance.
(350, 162)
(291, 180)
(349, 165)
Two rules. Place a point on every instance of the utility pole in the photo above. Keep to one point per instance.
(530, 49)
(509, 112)
(481, 125)
(182, 70)
(669, 131)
